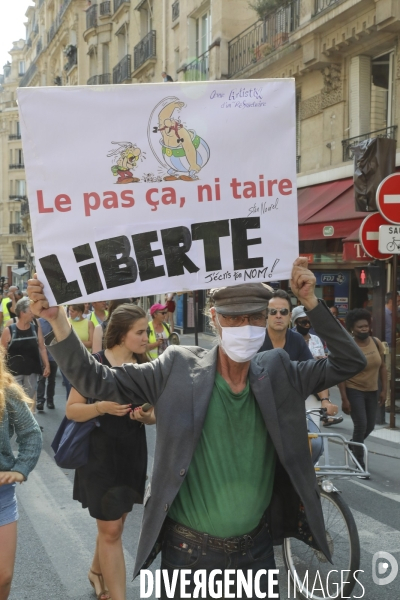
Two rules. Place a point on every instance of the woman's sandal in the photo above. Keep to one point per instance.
(104, 591)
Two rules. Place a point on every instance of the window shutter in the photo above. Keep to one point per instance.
(360, 95)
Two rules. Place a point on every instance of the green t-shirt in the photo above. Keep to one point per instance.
(229, 483)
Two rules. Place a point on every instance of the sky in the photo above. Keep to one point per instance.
(12, 19)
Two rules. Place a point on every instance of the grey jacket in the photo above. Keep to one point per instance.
(180, 384)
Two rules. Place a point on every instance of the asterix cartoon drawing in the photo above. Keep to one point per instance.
(182, 151)
(128, 155)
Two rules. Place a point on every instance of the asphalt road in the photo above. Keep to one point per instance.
(56, 536)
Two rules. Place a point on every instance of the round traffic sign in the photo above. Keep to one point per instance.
(388, 198)
(369, 236)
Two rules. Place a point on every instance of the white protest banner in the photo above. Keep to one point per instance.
(145, 188)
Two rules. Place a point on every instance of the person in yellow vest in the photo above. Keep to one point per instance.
(158, 332)
(4, 308)
(83, 327)
(99, 313)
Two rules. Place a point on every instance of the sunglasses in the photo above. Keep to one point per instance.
(162, 312)
(274, 311)
(303, 322)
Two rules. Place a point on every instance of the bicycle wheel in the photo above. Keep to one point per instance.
(309, 567)
(391, 246)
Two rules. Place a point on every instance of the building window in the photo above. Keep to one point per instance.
(20, 187)
(21, 67)
(203, 33)
(382, 91)
(93, 62)
(17, 128)
(20, 156)
(106, 58)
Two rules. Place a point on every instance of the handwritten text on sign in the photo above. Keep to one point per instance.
(133, 192)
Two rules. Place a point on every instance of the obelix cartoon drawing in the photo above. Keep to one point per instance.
(182, 151)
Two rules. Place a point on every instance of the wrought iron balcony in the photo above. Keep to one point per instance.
(105, 79)
(122, 72)
(263, 37)
(198, 69)
(93, 80)
(144, 50)
(91, 17)
(105, 8)
(321, 5)
(28, 75)
(388, 132)
(17, 197)
(17, 228)
(14, 136)
(17, 166)
(118, 3)
(175, 10)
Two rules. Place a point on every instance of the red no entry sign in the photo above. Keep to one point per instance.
(369, 235)
(388, 198)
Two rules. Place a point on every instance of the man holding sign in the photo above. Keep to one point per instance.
(232, 461)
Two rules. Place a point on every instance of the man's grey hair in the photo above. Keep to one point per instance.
(22, 306)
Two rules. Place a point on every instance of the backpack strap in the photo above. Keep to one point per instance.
(13, 331)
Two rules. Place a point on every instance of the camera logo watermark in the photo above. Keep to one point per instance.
(381, 561)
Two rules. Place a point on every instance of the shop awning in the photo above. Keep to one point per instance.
(316, 197)
(337, 218)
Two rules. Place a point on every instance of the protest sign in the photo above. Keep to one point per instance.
(140, 189)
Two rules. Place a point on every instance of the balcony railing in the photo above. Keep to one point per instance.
(144, 50)
(17, 166)
(198, 69)
(14, 136)
(93, 80)
(105, 8)
(105, 79)
(17, 228)
(28, 75)
(122, 72)
(91, 17)
(17, 197)
(264, 37)
(118, 3)
(175, 10)
(388, 132)
(321, 5)
(55, 26)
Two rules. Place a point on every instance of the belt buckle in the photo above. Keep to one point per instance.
(230, 545)
(246, 542)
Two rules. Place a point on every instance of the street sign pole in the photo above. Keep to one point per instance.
(392, 423)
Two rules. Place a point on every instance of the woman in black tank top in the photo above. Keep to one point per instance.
(113, 479)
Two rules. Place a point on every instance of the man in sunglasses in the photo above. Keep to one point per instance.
(278, 333)
(232, 463)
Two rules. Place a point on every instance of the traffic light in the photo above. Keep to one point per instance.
(368, 277)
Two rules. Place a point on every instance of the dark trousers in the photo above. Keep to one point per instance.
(67, 384)
(51, 384)
(363, 414)
(180, 553)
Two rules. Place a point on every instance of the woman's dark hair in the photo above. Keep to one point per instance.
(121, 321)
(357, 314)
(78, 307)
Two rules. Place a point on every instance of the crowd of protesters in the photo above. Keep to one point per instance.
(121, 333)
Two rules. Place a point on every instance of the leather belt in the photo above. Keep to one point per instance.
(227, 545)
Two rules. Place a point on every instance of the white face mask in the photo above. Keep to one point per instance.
(241, 344)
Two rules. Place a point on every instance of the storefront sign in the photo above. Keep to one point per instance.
(339, 300)
(328, 230)
(353, 252)
(133, 192)
(329, 278)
